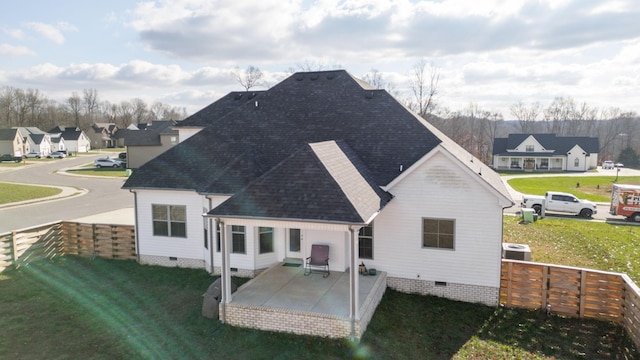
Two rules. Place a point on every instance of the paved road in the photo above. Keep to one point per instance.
(93, 195)
(603, 208)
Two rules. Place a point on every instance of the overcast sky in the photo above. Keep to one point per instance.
(493, 53)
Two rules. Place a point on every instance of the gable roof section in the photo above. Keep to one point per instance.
(150, 136)
(319, 182)
(8, 134)
(261, 133)
(560, 144)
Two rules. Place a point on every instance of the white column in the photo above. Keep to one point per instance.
(353, 280)
(225, 271)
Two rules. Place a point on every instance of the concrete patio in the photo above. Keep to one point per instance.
(282, 298)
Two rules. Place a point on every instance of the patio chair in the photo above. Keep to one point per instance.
(318, 261)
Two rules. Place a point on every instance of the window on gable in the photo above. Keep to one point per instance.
(365, 242)
(169, 220)
(265, 236)
(238, 240)
(576, 162)
(529, 148)
(438, 233)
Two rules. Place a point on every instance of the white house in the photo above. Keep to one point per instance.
(545, 152)
(323, 158)
(75, 139)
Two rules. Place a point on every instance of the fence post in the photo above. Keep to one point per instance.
(583, 293)
(544, 293)
(14, 248)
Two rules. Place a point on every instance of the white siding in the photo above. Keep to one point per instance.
(440, 189)
(190, 247)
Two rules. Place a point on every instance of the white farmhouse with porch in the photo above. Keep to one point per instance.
(320, 158)
(545, 152)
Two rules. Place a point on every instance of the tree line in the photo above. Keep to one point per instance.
(24, 108)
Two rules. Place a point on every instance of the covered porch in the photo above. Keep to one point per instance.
(283, 299)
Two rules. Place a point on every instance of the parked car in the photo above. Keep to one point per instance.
(619, 165)
(33, 154)
(57, 155)
(607, 164)
(9, 157)
(107, 162)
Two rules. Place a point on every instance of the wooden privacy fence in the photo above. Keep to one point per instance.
(570, 291)
(60, 238)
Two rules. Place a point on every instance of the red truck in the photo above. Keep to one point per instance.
(625, 201)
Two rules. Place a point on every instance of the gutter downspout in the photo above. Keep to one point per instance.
(353, 282)
(213, 227)
(136, 227)
(225, 273)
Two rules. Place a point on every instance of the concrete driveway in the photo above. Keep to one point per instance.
(82, 197)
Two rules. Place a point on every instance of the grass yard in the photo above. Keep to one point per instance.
(16, 192)
(594, 188)
(580, 243)
(77, 308)
(117, 172)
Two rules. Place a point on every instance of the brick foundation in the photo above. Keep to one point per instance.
(461, 292)
(168, 262)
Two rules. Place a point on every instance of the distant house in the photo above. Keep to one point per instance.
(34, 139)
(144, 145)
(102, 135)
(76, 140)
(322, 158)
(545, 152)
(12, 142)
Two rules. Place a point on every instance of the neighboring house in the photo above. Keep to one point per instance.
(76, 140)
(35, 139)
(57, 142)
(12, 142)
(101, 135)
(545, 152)
(144, 145)
(323, 158)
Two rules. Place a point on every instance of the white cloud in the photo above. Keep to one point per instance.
(14, 51)
(51, 32)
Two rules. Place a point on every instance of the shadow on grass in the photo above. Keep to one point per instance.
(104, 309)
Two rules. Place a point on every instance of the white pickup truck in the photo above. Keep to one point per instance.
(559, 202)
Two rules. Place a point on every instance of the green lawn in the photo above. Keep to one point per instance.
(77, 308)
(588, 244)
(16, 192)
(118, 172)
(594, 188)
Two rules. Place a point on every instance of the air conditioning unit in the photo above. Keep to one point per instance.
(516, 252)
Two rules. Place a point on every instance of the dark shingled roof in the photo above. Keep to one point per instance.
(150, 136)
(250, 137)
(560, 144)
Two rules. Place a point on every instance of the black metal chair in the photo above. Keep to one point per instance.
(318, 261)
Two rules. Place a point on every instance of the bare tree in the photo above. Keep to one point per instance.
(7, 104)
(90, 104)
(376, 79)
(526, 116)
(74, 104)
(248, 78)
(424, 85)
(140, 113)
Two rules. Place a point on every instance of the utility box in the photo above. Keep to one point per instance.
(528, 215)
(516, 252)
(212, 297)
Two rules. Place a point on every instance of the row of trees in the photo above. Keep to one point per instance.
(30, 107)
(473, 128)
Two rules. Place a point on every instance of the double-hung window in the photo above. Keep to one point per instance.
(238, 239)
(169, 220)
(438, 233)
(266, 239)
(365, 242)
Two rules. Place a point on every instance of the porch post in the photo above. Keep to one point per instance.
(225, 272)
(353, 281)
